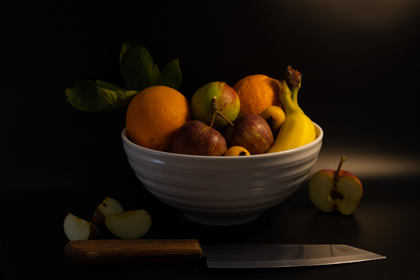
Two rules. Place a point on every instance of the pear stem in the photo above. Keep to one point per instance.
(339, 167)
(215, 107)
(212, 119)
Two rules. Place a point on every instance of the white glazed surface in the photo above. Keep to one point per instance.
(222, 190)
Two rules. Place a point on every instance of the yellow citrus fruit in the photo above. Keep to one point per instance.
(236, 151)
(257, 92)
(274, 116)
(154, 115)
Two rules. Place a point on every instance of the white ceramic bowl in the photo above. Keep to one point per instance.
(222, 190)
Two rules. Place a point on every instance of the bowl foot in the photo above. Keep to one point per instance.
(222, 221)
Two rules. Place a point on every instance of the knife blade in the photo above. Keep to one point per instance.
(113, 251)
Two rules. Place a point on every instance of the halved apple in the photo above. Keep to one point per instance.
(129, 225)
(76, 228)
(108, 206)
(331, 190)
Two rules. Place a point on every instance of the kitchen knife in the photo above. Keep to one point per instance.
(112, 251)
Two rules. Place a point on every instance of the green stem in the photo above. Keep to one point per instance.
(339, 167)
(286, 97)
(295, 96)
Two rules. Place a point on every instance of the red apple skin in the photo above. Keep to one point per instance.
(250, 131)
(197, 138)
(227, 101)
(341, 173)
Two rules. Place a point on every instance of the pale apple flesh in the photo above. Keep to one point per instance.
(320, 190)
(108, 206)
(351, 191)
(129, 225)
(76, 228)
(342, 193)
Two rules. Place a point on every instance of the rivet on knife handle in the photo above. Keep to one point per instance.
(111, 251)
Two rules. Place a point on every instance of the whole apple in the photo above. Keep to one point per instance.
(227, 102)
(250, 131)
(331, 190)
(197, 138)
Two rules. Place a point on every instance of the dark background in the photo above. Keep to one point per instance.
(359, 61)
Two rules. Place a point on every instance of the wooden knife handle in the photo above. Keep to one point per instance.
(112, 251)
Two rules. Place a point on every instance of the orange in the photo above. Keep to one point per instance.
(154, 115)
(257, 92)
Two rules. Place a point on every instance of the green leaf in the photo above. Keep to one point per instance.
(85, 97)
(139, 71)
(171, 75)
(114, 95)
(124, 49)
(98, 96)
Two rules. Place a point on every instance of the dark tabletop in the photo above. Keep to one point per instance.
(360, 72)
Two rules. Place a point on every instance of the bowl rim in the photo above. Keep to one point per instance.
(320, 136)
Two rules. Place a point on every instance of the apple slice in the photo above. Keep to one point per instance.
(331, 190)
(129, 225)
(76, 228)
(108, 206)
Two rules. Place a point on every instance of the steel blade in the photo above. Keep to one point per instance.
(279, 255)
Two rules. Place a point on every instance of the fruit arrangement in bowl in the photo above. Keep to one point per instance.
(228, 154)
(249, 115)
(221, 158)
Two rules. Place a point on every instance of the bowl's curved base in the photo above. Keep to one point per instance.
(222, 221)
